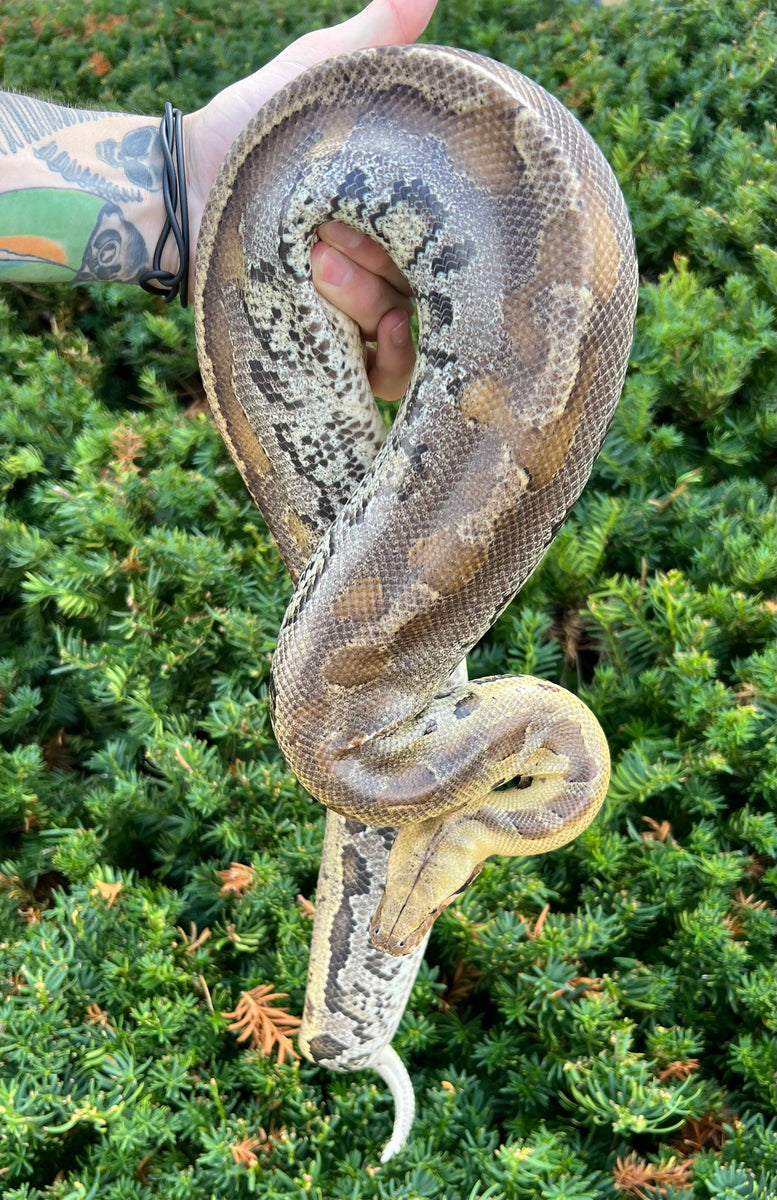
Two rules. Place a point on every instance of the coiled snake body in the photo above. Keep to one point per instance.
(405, 547)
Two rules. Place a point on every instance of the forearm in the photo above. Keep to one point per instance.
(80, 193)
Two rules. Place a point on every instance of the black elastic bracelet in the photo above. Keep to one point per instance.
(156, 281)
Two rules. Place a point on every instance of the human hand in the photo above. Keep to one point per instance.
(357, 275)
(350, 270)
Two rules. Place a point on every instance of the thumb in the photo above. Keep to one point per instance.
(381, 23)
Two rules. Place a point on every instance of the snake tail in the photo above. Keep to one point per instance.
(394, 1073)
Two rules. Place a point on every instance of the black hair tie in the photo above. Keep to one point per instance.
(156, 281)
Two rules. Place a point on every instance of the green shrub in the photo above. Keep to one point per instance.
(599, 1015)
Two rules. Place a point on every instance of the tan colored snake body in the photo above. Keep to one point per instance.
(512, 231)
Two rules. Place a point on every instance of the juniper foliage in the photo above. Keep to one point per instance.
(589, 1023)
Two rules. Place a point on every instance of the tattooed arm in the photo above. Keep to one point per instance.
(80, 192)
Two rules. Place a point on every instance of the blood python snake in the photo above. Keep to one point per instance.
(404, 547)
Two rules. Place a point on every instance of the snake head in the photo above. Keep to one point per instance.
(428, 868)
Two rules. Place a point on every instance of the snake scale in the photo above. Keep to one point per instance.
(405, 546)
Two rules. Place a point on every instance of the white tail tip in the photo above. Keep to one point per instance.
(394, 1072)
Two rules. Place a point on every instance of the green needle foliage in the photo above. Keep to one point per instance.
(598, 1022)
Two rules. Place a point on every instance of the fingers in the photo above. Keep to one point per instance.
(390, 361)
(355, 274)
(365, 252)
(361, 293)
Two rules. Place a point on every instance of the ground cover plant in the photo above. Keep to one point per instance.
(598, 1022)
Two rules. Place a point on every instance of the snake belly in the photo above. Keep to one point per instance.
(405, 547)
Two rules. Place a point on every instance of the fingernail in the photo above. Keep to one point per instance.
(335, 268)
(344, 235)
(400, 334)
